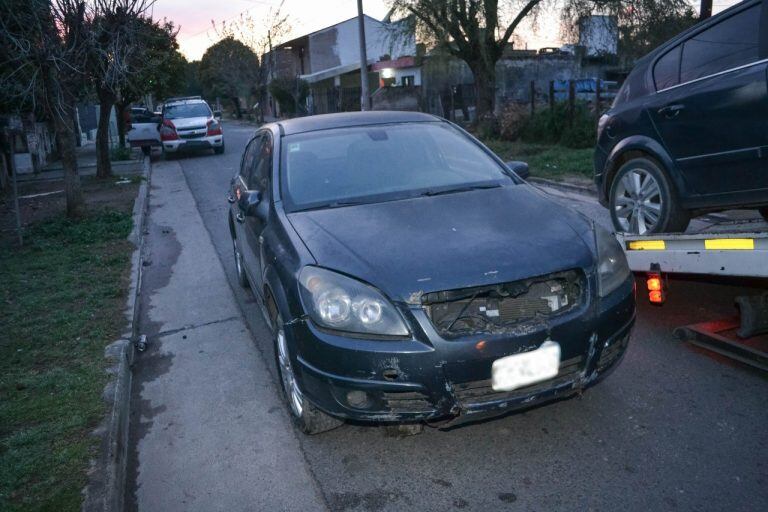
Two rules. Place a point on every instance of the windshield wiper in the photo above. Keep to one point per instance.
(464, 188)
(333, 204)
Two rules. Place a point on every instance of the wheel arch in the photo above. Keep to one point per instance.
(642, 147)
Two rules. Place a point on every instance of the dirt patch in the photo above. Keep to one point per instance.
(43, 200)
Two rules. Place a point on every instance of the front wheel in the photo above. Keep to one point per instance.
(642, 200)
(307, 418)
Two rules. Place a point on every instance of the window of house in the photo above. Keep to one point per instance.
(666, 72)
(731, 43)
(407, 80)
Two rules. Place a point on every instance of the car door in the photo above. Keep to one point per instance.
(238, 191)
(254, 213)
(711, 106)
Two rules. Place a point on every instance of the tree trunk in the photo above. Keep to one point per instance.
(120, 116)
(66, 141)
(485, 89)
(236, 104)
(103, 165)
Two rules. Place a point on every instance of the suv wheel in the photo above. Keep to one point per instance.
(307, 418)
(642, 200)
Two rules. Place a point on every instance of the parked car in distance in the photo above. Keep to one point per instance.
(409, 275)
(189, 124)
(688, 130)
(143, 129)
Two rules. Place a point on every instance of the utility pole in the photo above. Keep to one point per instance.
(365, 101)
(706, 9)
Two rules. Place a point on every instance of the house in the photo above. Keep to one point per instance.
(328, 60)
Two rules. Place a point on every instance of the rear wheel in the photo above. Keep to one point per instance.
(642, 200)
(307, 418)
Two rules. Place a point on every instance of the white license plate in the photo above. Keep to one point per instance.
(520, 370)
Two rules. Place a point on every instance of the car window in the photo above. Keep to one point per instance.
(262, 163)
(371, 163)
(731, 43)
(181, 110)
(666, 72)
(248, 157)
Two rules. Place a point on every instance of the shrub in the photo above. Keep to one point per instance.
(512, 119)
(118, 153)
(552, 126)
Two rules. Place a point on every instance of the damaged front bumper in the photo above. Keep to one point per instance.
(428, 378)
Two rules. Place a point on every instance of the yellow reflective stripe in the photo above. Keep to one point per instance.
(743, 244)
(647, 245)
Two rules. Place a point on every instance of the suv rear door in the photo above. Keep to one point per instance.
(711, 106)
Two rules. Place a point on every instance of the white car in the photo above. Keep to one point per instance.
(143, 129)
(189, 123)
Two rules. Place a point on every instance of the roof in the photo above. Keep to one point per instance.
(297, 39)
(349, 119)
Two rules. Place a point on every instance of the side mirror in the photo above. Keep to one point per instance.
(217, 115)
(519, 168)
(249, 203)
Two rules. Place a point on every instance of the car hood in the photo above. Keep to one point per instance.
(184, 123)
(426, 244)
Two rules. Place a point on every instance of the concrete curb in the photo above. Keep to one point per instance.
(566, 187)
(105, 490)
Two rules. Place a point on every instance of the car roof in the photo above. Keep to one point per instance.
(350, 119)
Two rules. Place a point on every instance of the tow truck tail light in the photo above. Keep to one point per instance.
(655, 288)
(168, 131)
(214, 127)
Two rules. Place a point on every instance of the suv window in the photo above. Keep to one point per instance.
(666, 72)
(731, 43)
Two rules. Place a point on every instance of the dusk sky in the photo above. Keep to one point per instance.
(194, 17)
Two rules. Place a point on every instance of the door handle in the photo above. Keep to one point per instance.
(240, 217)
(671, 111)
(231, 198)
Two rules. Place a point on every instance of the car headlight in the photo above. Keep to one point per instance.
(612, 267)
(341, 303)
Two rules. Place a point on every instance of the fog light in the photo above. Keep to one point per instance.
(357, 398)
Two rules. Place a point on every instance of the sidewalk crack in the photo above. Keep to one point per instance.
(194, 326)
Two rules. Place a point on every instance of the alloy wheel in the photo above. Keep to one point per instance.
(290, 385)
(638, 202)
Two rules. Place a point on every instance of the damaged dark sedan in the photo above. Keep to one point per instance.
(409, 275)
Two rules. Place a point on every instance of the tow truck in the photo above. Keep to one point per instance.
(736, 251)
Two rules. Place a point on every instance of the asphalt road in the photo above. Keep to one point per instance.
(673, 428)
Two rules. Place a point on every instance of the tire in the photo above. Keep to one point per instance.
(764, 212)
(242, 277)
(642, 200)
(146, 150)
(306, 417)
(219, 150)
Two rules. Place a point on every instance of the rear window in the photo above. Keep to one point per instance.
(666, 72)
(731, 43)
(181, 110)
(634, 86)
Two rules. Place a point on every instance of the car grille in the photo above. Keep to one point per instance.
(480, 391)
(499, 308)
(407, 401)
(192, 135)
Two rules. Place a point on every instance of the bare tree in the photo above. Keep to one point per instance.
(475, 31)
(261, 36)
(46, 43)
(116, 31)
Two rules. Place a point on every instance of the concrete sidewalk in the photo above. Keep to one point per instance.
(208, 430)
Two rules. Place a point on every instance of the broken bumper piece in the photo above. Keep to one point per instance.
(432, 379)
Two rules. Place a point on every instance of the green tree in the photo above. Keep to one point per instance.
(229, 69)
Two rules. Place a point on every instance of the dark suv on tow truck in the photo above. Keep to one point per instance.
(688, 130)
(410, 275)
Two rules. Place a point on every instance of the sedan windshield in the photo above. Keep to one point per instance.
(368, 164)
(186, 110)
